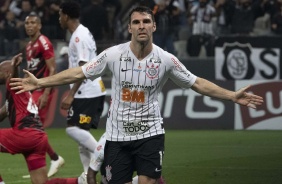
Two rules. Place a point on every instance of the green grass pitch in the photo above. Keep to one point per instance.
(191, 157)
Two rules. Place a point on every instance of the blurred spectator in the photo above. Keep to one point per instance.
(10, 33)
(175, 16)
(200, 19)
(242, 14)
(41, 9)
(113, 8)
(26, 9)
(55, 30)
(95, 18)
(4, 7)
(165, 33)
(182, 11)
(276, 21)
(114, 3)
(272, 7)
(222, 22)
(15, 7)
(149, 3)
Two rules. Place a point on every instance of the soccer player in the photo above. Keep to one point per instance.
(41, 62)
(26, 135)
(85, 100)
(134, 129)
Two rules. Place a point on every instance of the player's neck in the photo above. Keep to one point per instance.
(73, 24)
(35, 37)
(141, 50)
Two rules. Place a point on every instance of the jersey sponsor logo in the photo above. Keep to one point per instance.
(32, 64)
(44, 43)
(133, 95)
(127, 84)
(178, 66)
(124, 70)
(139, 69)
(83, 119)
(125, 59)
(135, 128)
(152, 71)
(156, 60)
(94, 64)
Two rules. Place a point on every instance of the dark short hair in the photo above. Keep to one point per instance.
(71, 8)
(34, 14)
(142, 9)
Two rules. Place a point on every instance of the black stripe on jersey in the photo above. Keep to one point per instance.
(132, 68)
(112, 106)
(137, 103)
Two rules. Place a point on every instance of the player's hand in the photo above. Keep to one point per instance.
(24, 84)
(247, 99)
(66, 103)
(16, 60)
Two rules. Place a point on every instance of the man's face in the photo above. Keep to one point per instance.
(63, 19)
(32, 25)
(141, 26)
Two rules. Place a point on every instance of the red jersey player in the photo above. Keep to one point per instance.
(41, 62)
(26, 135)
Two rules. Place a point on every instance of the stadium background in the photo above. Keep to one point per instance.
(201, 146)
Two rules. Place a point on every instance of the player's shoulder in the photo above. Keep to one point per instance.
(161, 53)
(82, 34)
(118, 49)
(44, 40)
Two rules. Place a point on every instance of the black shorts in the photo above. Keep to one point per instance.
(123, 158)
(86, 112)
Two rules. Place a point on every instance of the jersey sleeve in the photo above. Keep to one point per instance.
(97, 67)
(179, 73)
(46, 47)
(84, 48)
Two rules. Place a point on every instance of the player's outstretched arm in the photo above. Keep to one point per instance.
(241, 96)
(31, 82)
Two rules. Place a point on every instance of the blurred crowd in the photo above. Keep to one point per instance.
(195, 22)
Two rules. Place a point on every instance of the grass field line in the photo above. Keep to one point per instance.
(239, 146)
(230, 168)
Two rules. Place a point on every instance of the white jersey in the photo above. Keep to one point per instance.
(135, 112)
(82, 47)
